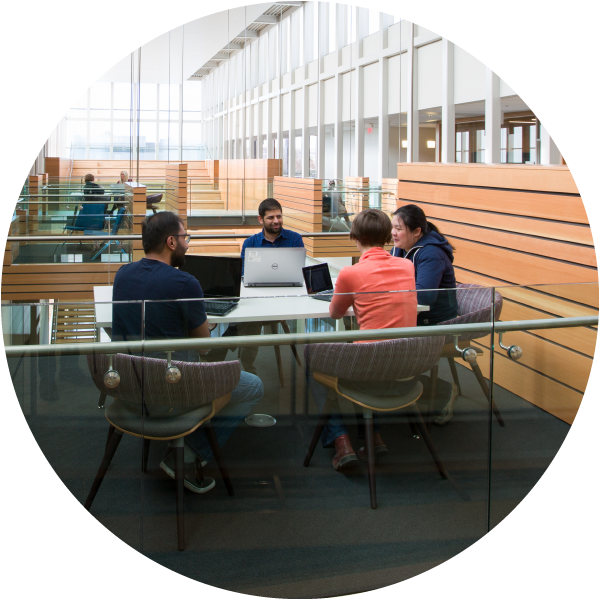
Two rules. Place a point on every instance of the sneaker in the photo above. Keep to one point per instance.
(446, 413)
(378, 445)
(192, 475)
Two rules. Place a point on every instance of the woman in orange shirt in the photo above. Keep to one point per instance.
(357, 286)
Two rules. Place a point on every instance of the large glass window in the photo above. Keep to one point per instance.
(100, 98)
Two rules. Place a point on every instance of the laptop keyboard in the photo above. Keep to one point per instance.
(218, 309)
(327, 297)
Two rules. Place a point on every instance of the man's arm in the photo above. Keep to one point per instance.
(201, 332)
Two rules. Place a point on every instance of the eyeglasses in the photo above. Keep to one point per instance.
(186, 237)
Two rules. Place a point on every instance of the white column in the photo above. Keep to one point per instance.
(360, 25)
(320, 130)
(309, 33)
(549, 153)
(385, 21)
(338, 152)
(341, 17)
(359, 123)
(270, 153)
(292, 136)
(323, 32)
(492, 117)
(448, 119)
(384, 121)
(305, 133)
(412, 111)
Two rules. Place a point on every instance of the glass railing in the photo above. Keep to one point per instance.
(452, 458)
(237, 199)
(342, 203)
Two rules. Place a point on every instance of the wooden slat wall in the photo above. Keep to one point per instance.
(520, 225)
(176, 199)
(247, 184)
(356, 201)
(138, 192)
(57, 167)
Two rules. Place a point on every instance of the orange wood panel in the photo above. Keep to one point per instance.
(563, 251)
(549, 395)
(524, 269)
(580, 234)
(551, 178)
(569, 209)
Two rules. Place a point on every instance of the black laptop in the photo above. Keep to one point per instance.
(318, 282)
(220, 278)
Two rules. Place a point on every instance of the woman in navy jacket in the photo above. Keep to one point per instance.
(420, 241)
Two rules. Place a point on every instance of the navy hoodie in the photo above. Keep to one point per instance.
(432, 256)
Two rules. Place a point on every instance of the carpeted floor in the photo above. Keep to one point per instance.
(291, 531)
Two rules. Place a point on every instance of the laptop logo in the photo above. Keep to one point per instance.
(274, 266)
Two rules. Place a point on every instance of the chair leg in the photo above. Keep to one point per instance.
(113, 444)
(432, 391)
(413, 429)
(178, 455)
(145, 453)
(274, 328)
(416, 416)
(452, 364)
(214, 444)
(286, 329)
(486, 391)
(111, 430)
(370, 445)
(323, 417)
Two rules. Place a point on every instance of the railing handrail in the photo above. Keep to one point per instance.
(138, 236)
(297, 338)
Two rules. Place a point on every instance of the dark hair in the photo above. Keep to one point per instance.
(268, 204)
(89, 177)
(371, 227)
(413, 217)
(157, 228)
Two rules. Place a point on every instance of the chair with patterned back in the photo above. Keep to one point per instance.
(202, 390)
(474, 306)
(343, 367)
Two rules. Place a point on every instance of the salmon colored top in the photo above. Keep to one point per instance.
(377, 271)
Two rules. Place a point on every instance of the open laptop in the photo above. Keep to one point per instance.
(318, 282)
(274, 267)
(220, 278)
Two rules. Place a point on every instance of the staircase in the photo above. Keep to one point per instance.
(73, 323)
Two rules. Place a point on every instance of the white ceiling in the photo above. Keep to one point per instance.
(202, 39)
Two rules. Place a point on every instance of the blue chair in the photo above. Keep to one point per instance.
(90, 217)
(114, 230)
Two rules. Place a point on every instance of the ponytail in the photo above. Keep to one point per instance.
(413, 218)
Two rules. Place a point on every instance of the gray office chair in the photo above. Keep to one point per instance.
(203, 388)
(339, 366)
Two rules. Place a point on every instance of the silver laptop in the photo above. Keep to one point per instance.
(274, 267)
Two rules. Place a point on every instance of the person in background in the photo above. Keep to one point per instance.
(156, 277)
(124, 177)
(421, 242)
(376, 271)
(89, 187)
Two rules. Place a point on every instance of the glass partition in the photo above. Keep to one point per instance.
(540, 377)
(428, 462)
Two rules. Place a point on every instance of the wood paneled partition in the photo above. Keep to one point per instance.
(520, 225)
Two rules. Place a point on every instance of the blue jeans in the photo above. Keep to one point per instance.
(248, 392)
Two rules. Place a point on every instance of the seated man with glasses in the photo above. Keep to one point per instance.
(156, 277)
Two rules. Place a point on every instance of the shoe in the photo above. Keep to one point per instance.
(344, 454)
(378, 445)
(446, 413)
(192, 475)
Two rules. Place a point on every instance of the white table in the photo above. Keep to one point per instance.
(256, 304)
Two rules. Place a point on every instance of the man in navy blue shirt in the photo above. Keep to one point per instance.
(273, 235)
(156, 277)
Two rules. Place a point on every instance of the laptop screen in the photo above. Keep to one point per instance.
(317, 278)
(219, 276)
